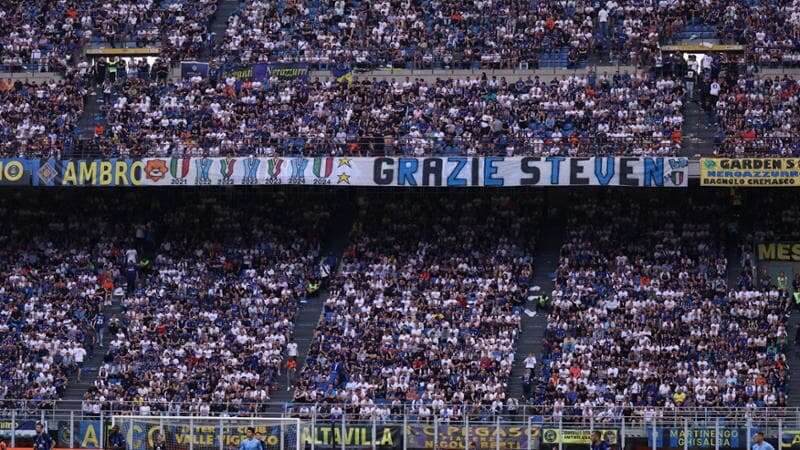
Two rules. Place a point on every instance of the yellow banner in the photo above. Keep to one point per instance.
(790, 439)
(554, 436)
(778, 251)
(750, 172)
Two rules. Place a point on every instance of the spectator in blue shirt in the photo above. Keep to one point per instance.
(116, 441)
(760, 444)
(43, 440)
(251, 443)
(598, 443)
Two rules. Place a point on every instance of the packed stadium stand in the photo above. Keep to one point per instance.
(224, 285)
(46, 35)
(620, 114)
(135, 106)
(39, 119)
(758, 116)
(642, 314)
(220, 209)
(425, 309)
(60, 264)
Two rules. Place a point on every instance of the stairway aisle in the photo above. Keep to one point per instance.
(91, 109)
(219, 24)
(333, 244)
(733, 256)
(793, 360)
(698, 130)
(75, 389)
(532, 333)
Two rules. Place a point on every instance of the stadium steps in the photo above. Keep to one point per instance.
(545, 263)
(219, 23)
(333, 245)
(733, 254)
(698, 130)
(75, 389)
(91, 111)
(793, 360)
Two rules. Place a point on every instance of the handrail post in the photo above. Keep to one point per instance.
(374, 429)
(529, 434)
(405, 429)
(13, 428)
(497, 432)
(314, 427)
(343, 434)
(435, 431)
(749, 431)
(653, 433)
(282, 431)
(685, 434)
(72, 429)
(466, 431)
(102, 430)
(221, 434)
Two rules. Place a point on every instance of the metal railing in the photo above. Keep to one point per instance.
(651, 428)
(415, 146)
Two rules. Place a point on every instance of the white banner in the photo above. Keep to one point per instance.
(423, 172)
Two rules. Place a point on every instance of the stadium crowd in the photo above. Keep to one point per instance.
(425, 309)
(448, 34)
(621, 114)
(492, 33)
(225, 286)
(37, 35)
(42, 35)
(642, 316)
(58, 264)
(758, 116)
(39, 119)
(444, 34)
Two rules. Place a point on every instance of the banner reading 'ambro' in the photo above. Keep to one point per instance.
(750, 172)
(487, 171)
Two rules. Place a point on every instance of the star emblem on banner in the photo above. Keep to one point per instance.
(344, 161)
(344, 178)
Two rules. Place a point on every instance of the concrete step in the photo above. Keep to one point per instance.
(75, 389)
(533, 328)
(793, 359)
(334, 243)
(91, 109)
(219, 24)
(698, 128)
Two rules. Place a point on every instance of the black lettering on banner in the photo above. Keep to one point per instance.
(380, 175)
(625, 170)
(528, 167)
(432, 166)
(575, 169)
(476, 165)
